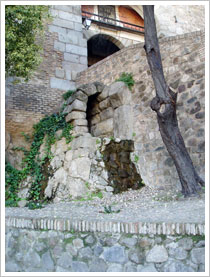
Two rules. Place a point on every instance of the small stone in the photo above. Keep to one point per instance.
(39, 246)
(177, 253)
(198, 255)
(61, 269)
(22, 203)
(12, 267)
(77, 243)
(157, 254)
(98, 265)
(71, 250)
(181, 88)
(65, 260)
(200, 115)
(115, 268)
(129, 242)
(146, 268)
(32, 259)
(98, 250)
(200, 244)
(176, 266)
(109, 189)
(144, 243)
(186, 243)
(196, 109)
(201, 268)
(136, 256)
(86, 253)
(89, 239)
(130, 267)
(47, 261)
(114, 254)
(79, 267)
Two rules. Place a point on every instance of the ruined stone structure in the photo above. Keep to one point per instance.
(65, 67)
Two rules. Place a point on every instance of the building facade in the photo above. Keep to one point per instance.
(70, 47)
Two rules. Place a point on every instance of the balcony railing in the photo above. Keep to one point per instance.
(117, 24)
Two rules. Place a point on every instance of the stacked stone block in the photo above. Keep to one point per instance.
(67, 24)
(183, 64)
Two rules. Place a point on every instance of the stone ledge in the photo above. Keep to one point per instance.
(108, 226)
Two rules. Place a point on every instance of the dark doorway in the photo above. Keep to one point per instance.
(100, 47)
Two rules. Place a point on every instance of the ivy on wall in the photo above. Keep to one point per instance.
(34, 166)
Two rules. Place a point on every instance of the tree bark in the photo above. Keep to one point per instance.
(164, 104)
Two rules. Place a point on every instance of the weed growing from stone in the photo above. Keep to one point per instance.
(136, 159)
(127, 78)
(67, 94)
(108, 210)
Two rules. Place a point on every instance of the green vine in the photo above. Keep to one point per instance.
(34, 166)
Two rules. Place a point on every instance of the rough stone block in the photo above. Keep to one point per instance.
(60, 46)
(80, 95)
(114, 254)
(76, 49)
(80, 122)
(75, 115)
(198, 255)
(84, 142)
(157, 254)
(57, 29)
(123, 122)
(96, 119)
(68, 75)
(88, 89)
(106, 114)
(81, 129)
(77, 105)
(67, 38)
(104, 94)
(78, 27)
(63, 23)
(104, 104)
(119, 94)
(73, 66)
(103, 128)
(70, 17)
(59, 72)
(83, 60)
(79, 267)
(71, 58)
(65, 8)
(80, 168)
(61, 84)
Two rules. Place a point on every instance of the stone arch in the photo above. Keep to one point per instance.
(101, 46)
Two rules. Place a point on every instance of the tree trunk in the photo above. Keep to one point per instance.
(164, 104)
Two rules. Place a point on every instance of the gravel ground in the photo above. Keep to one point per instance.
(145, 205)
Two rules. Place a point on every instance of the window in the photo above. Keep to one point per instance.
(106, 11)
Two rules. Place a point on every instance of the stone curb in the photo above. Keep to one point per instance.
(101, 226)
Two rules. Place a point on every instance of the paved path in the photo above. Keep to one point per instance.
(133, 206)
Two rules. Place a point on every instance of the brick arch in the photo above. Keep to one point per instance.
(101, 46)
(117, 42)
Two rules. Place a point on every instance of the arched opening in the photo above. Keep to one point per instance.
(92, 112)
(99, 47)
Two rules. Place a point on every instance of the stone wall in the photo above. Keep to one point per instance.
(65, 54)
(57, 251)
(183, 63)
(179, 19)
